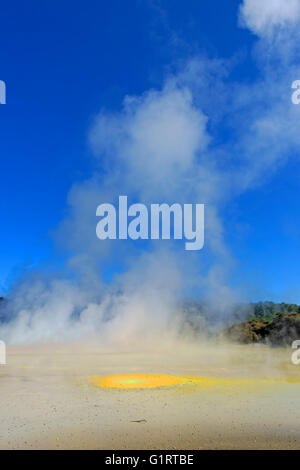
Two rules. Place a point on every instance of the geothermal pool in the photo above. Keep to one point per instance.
(134, 381)
(208, 397)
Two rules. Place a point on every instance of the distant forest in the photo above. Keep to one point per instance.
(266, 310)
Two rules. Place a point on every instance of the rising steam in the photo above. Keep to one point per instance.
(163, 146)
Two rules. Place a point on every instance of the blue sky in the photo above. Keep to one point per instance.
(64, 61)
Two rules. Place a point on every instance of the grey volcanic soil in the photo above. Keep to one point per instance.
(48, 403)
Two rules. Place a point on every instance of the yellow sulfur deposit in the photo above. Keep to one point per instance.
(133, 381)
(136, 381)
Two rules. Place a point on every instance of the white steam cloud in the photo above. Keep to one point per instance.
(264, 16)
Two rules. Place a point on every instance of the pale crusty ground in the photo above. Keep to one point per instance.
(46, 401)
